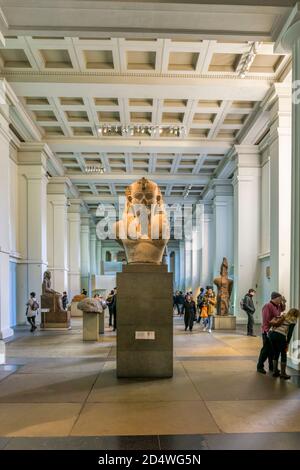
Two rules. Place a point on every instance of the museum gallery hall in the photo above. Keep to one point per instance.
(149, 180)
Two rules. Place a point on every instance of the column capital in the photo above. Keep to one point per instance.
(222, 187)
(59, 185)
(246, 156)
(74, 206)
(290, 31)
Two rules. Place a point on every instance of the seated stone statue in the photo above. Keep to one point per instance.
(143, 230)
(50, 298)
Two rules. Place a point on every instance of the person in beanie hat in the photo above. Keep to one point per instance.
(271, 310)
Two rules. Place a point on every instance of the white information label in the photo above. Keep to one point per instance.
(145, 335)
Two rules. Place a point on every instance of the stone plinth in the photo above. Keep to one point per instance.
(51, 317)
(90, 327)
(144, 321)
(101, 323)
(75, 312)
(224, 322)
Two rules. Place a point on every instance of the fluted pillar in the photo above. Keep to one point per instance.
(85, 251)
(247, 182)
(74, 222)
(57, 232)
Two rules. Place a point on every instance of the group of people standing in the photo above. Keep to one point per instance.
(277, 331)
(201, 311)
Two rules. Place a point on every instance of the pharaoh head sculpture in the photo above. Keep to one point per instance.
(144, 229)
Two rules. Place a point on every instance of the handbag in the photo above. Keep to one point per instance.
(204, 313)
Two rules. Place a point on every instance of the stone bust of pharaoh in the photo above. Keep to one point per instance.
(143, 230)
(48, 293)
(224, 285)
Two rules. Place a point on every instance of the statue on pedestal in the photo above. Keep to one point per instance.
(143, 230)
(50, 298)
(224, 285)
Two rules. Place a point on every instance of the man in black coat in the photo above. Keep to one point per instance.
(248, 307)
(189, 310)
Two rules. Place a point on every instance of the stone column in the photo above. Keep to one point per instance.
(5, 329)
(99, 256)
(222, 223)
(93, 238)
(246, 183)
(188, 248)
(279, 104)
(57, 231)
(197, 255)
(182, 264)
(207, 265)
(85, 251)
(74, 222)
(32, 186)
(289, 41)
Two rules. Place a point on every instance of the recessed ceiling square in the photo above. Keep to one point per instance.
(141, 60)
(108, 116)
(266, 63)
(77, 116)
(14, 58)
(82, 131)
(140, 117)
(98, 59)
(44, 115)
(172, 118)
(185, 61)
(56, 58)
(224, 62)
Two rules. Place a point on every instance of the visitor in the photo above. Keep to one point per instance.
(189, 309)
(248, 307)
(200, 302)
(109, 303)
(32, 311)
(65, 300)
(179, 301)
(280, 335)
(209, 302)
(84, 292)
(270, 310)
(114, 309)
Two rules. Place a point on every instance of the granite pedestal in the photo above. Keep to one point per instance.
(224, 322)
(90, 326)
(51, 316)
(101, 323)
(145, 321)
(75, 312)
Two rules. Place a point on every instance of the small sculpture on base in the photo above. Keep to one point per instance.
(224, 285)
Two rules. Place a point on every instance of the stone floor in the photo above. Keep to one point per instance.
(58, 392)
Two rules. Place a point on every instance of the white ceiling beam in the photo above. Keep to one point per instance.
(128, 178)
(144, 87)
(140, 146)
(107, 18)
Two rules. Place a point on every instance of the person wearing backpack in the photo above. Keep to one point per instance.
(247, 305)
(32, 311)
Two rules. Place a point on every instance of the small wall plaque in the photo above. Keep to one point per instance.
(145, 335)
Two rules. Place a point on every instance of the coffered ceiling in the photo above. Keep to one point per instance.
(70, 83)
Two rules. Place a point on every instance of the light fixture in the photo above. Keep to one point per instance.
(248, 59)
(94, 169)
(135, 130)
(187, 191)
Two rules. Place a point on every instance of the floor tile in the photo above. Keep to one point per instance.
(256, 415)
(108, 388)
(227, 382)
(254, 441)
(144, 419)
(183, 442)
(63, 366)
(33, 419)
(50, 388)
